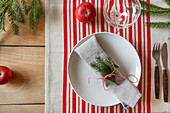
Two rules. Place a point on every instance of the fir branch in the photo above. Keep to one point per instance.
(109, 60)
(16, 11)
(158, 24)
(167, 2)
(103, 63)
(3, 2)
(2, 22)
(35, 12)
(155, 12)
(96, 66)
(40, 10)
(15, 27)
(24, 5)
(12, 19)
(2, 18)
(152, 12)
(4, 9)
(104, 67)
(150, 6)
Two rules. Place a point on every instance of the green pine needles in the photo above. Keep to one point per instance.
(158, 24)
(16, 10)
(155, 13)
(104, 66)
(167, 2)
(151, 9)
(36, 11)
(154, 10)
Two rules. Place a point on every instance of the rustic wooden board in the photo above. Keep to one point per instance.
(27, 84)
(22, 108)
(26, 36)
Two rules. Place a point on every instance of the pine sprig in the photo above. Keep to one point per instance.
(151, 12)
(15, 27)
(2, 15)
(158, 24)
(104, 67)
(12, 19)
(24, 5)
(2, 22)
(155, 12)
(3, 3)
(167, 2)
(150, 6)
(40, 10)
(110, 62)
(35, 12)
(16, 11)
(96, 66)
(103, 63)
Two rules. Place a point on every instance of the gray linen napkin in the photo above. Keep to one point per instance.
(126, 92)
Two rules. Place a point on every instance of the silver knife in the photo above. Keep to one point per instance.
(164, 55)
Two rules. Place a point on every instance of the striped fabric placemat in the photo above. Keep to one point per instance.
(138, 35)
(64, 31)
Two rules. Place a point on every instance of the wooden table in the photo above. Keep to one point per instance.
(25, 56)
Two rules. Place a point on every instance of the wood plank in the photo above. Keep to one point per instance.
(27, 84)
(26, 36)
(22, 108)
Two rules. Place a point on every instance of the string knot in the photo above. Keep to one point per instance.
(115, 75)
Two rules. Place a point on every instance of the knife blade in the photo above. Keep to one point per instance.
(164, 55)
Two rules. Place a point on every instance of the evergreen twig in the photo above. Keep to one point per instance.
(167, 2)
(15, 27)
(155, 12)
(35, 12)
(16, 11)
(104, 66)
(25, 7)
(20, 17)
(109, 61)
(158, 24)
(150, 6)
(2, 22)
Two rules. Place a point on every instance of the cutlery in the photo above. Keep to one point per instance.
(164, 56)
(156, 56)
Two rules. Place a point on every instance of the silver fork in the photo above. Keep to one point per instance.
(156, 56)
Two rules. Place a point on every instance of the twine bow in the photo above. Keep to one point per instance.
(113, 74)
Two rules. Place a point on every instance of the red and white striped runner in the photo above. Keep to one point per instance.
(138, 35)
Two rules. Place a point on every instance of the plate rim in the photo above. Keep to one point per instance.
(85, 38)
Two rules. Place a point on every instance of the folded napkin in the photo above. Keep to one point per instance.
(126, 92)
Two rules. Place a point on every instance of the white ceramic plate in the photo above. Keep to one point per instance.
(117, 48)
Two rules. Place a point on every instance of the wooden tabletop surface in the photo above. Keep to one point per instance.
(25, 56)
